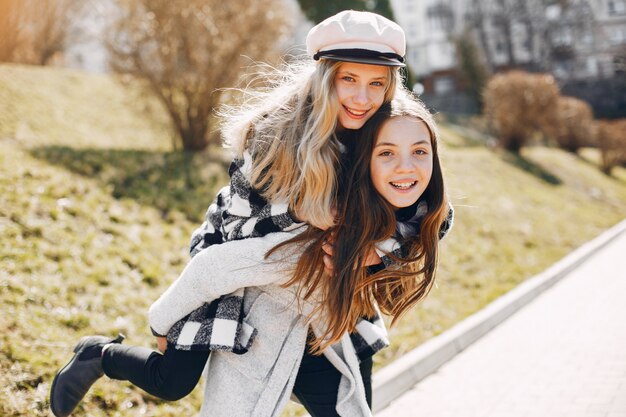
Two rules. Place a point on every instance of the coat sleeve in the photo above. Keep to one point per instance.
(222, 269)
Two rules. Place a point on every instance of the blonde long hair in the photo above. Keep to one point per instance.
(364, 218)
(289, 128)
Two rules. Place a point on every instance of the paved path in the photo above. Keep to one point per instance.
(564, 354)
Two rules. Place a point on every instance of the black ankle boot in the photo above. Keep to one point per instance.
(73, 381)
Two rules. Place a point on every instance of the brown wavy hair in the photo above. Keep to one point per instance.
(364, 218)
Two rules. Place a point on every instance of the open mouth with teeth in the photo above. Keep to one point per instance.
(403, 185)
(355, 113)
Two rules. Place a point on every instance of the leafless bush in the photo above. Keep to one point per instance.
(611, 138)
(10, 28)
(573, 127)
(35, 31)
(518, 104)
(188, 50)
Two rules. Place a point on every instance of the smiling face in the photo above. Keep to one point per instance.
(402, 160)
(361, 91)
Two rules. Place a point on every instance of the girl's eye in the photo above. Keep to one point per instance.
(347, 78)
(378, 84)
(420, 152)
(385, 153)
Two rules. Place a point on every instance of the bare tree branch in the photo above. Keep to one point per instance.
(189, 50)
(39, 29)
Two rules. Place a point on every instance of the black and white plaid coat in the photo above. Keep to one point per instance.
(239, 212)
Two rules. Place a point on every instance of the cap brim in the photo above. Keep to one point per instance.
(366, 60)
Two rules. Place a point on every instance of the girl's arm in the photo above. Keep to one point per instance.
(218, 270)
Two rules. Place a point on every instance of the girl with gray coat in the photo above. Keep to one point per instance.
(284, 176)
(392, 186)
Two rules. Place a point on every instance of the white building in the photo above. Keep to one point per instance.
(429, 25)
(586, 39)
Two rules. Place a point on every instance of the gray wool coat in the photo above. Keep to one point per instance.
(258, 383)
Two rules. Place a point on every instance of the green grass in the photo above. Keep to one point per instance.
(68, 107)
(96, 212)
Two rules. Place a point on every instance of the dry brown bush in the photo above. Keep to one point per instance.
(573, 128)
(189, 50)
(518, 104)
(35, 31)
(10, 28)
(611, 139)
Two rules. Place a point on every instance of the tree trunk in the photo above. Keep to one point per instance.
(514, 144)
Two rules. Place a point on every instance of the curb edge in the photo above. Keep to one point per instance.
(400, 376)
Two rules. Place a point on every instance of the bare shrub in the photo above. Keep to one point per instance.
(188, 50)
(35, 31)
(49, 27)
(10, 28)
(518, 104)
(611, 139)
(573, 128)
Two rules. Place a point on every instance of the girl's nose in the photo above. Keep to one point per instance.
(405, 164)
(361, 96)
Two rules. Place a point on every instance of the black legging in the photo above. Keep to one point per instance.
(170, 376)
(317, 384)
(174, 375)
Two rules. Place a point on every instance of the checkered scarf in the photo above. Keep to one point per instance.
(239, 212)
(215, 326)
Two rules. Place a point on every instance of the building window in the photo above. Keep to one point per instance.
(592, 67)
(617, 7)
(440, 17)
(615, 36)
(587, 37)
(562, 36)
(415, 57)
(619, 64)
(606, 69)
(499, 41)
(521, 36)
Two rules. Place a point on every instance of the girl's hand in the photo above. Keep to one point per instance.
(372, 257)
(161, 343)
(327, 247)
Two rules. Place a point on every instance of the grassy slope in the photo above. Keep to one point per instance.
(66, 107)
(95, 218)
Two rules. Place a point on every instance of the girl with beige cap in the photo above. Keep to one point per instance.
(290, 141)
